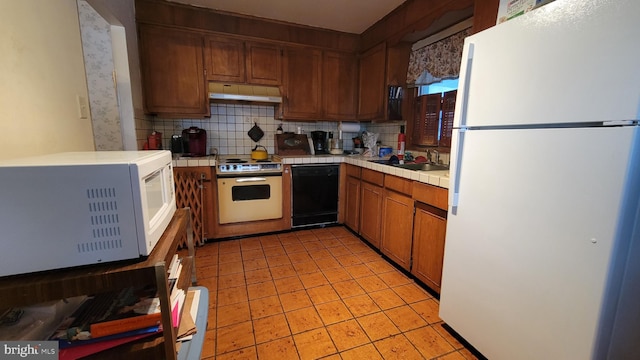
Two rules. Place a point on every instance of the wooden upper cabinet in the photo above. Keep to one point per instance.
(225, 59)
(172, 69)
(371, 83)
(382, 83)
(263, 63)
(339, 85)
(238, 61)
(302, 83)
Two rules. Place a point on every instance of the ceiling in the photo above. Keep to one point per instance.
(352, 16)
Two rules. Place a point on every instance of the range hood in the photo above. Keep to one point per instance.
(249, 93)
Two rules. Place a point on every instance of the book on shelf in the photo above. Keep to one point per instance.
(177, 303)
(119, 338)
(175, 267)
(79, 349)
(187, 327)
(112, 313)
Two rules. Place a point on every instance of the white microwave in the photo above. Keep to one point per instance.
(79, 208)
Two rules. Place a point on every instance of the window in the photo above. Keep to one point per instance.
(433, 114)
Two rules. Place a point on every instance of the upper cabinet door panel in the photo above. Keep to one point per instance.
(302, 83)
(371, 84)
(339, 85)
(172, 72)
(263, 63)
(225, 59)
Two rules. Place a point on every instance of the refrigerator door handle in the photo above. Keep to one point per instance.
(466, 85)
(457, 171)
(455, 193)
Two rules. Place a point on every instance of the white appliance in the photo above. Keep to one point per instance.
(542, 254)
(248, 189)
(79, 208)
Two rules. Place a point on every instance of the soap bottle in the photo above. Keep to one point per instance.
(279, 129)
(401, 143)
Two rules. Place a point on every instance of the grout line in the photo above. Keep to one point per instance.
(293, 245)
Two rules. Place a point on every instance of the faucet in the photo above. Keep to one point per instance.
(430, 156)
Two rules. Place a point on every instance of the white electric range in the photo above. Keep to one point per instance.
(248, 190)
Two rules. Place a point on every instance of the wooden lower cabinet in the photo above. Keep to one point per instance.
(352, 210)
(404, 219)
(429, 230)
(397, 227)
(371, 218)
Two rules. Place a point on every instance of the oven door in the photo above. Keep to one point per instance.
(249, 198)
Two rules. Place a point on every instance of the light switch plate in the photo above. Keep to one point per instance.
(83, 107)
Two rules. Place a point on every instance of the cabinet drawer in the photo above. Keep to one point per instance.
(432, 195)
(353, 171)
(372, 176)
(398, 184)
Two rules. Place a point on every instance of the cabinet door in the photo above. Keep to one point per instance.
(430, 225)
(263, 64)
(172, 72)
(370, 214)
(397, 228)
(302, 68)
(339, 90)
(352, 193)
(225, 59)
(371, 83)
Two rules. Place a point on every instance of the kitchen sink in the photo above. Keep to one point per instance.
(412, 166)
(380, 161)
(423, 167)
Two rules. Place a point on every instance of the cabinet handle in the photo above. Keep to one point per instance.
(462, 127)
(251, 179)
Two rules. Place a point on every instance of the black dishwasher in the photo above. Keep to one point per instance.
(314, 194)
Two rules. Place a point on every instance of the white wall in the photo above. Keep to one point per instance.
(41, 73)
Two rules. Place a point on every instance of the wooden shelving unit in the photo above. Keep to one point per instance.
(28, 289)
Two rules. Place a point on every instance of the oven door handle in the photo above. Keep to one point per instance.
(251, 179)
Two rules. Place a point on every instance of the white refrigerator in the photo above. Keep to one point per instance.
(542, 253)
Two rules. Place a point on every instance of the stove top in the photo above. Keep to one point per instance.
(240, 164)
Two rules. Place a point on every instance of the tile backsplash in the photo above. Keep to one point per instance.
(228, 126)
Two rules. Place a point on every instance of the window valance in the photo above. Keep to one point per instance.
(437, 61)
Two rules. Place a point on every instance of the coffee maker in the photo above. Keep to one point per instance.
(319, 139)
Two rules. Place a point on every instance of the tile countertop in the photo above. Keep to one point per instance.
(183, 161)
(437, 178)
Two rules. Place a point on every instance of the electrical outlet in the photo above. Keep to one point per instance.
(83, 107)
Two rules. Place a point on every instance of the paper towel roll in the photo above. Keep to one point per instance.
(349, 127)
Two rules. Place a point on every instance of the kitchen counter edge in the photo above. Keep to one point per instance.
(436, 178)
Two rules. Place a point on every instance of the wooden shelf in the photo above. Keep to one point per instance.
(27, 289)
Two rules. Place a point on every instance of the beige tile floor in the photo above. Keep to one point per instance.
(316, 294)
